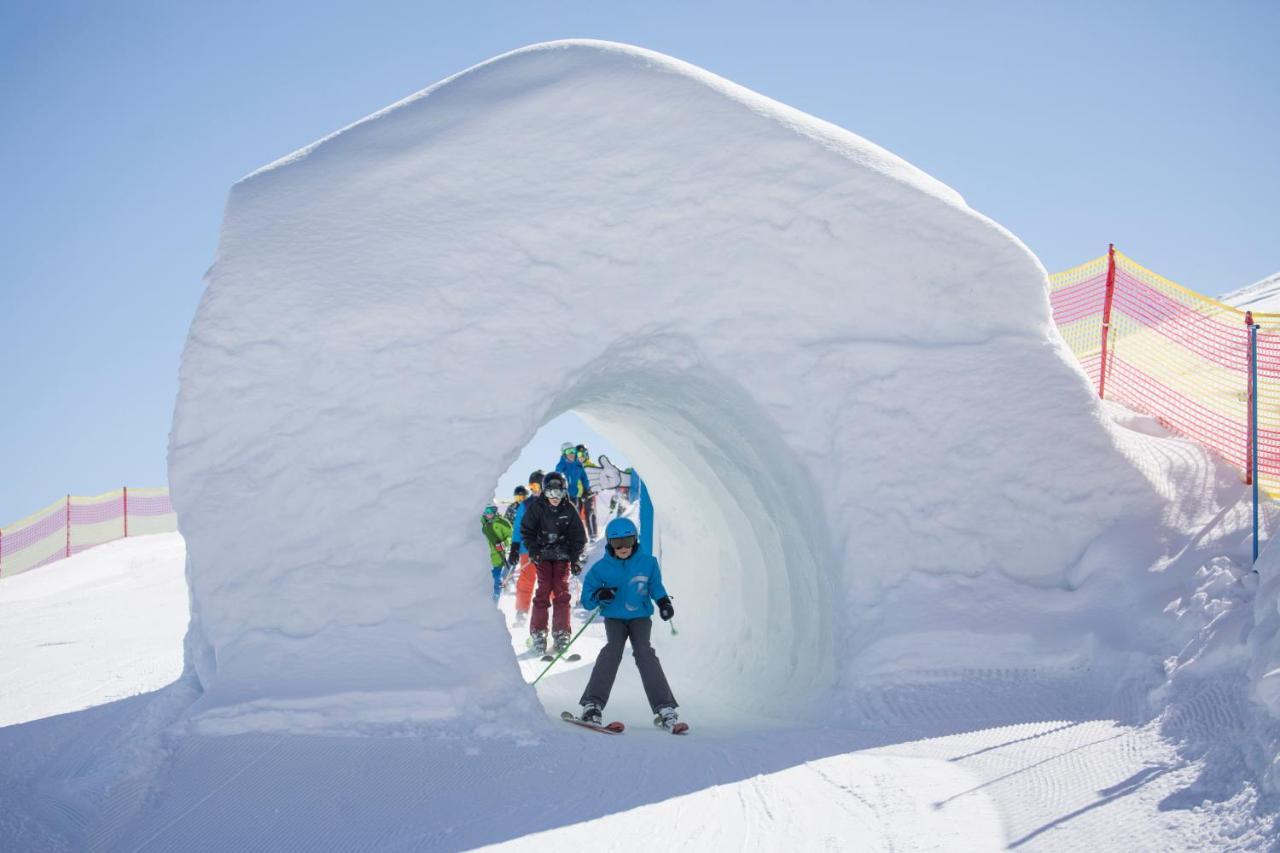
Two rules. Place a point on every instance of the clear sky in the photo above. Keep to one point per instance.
(1155, 125)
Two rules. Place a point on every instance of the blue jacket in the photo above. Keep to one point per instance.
(637, 579)
(574, 474)
(515, 525)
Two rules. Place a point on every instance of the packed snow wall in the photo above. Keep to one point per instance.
(835, 376)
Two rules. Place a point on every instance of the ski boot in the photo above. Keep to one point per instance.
(561, 641)
(538, 642)
(592, 713)
(669, 720)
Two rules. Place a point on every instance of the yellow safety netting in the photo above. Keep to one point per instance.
(1176, 355)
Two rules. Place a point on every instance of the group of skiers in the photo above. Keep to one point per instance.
(541, 540)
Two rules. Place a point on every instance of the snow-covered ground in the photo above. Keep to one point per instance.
(1018, 758)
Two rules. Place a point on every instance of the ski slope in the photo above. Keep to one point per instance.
(1050, 784)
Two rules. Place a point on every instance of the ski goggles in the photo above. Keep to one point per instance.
(622, 542)
(555, 493)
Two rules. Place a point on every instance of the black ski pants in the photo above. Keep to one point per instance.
(618, 631)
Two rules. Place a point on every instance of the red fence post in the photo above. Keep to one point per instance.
(68, 525)
(1106, 318)
(1250, 431)
(126, 512)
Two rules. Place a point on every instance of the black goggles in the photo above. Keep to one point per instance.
(623, 542)
(554, 493)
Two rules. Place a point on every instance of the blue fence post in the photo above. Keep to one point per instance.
(1253, 425)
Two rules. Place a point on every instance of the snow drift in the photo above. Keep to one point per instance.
(841, 384)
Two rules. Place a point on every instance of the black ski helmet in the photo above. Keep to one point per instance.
(536, 477)
(521, 491)
(554, 480)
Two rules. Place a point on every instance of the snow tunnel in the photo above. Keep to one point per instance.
(802, 340)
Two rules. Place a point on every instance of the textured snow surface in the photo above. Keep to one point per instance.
(841, 384)
(1032, 769)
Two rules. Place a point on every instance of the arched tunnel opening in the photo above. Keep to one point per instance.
(741, 545)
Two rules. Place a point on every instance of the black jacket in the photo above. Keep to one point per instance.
(552, 532)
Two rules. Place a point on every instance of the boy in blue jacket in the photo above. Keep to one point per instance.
(624, 584)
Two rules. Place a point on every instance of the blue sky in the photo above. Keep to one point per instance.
(1073, 124)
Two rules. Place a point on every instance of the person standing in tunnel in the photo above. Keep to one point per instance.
(527, 574)
(497, 531)
(552, 531)
(575, 476)
(625, 584)
(588, 500)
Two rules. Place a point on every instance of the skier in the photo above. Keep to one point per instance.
(497, 531)
(517, 498)
(588, 502)
(553, 535)
(574, 474)
(624, 584)
(519, 554)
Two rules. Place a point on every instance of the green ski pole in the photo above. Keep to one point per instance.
(594, 614)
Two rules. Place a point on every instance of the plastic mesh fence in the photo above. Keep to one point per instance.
(76, 523)
(1175, 355)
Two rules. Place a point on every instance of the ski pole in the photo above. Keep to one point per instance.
(594, 614)
(672, 623)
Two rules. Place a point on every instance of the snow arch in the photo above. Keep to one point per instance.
(810, 346)
(739, 554)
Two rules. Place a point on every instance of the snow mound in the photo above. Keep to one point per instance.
(1262, 296)
(841, 384)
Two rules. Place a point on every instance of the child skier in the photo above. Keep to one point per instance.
(497, 531)
(553, 535)
(625, 583)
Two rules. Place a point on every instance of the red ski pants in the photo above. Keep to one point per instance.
(524, 584)
(553, 580)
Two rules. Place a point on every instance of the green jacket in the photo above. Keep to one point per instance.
(498, 532)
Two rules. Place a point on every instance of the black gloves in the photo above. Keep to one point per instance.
(513, 556)
(605, 594)
(576, 568)
(537, 558)
(665, 610)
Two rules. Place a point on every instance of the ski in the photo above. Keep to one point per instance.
(548, 658)
(614, 728)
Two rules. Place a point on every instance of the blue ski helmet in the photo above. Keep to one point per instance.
(620, 528)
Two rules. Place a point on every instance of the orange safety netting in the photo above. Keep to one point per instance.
(1175, 355)
(76, 523)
